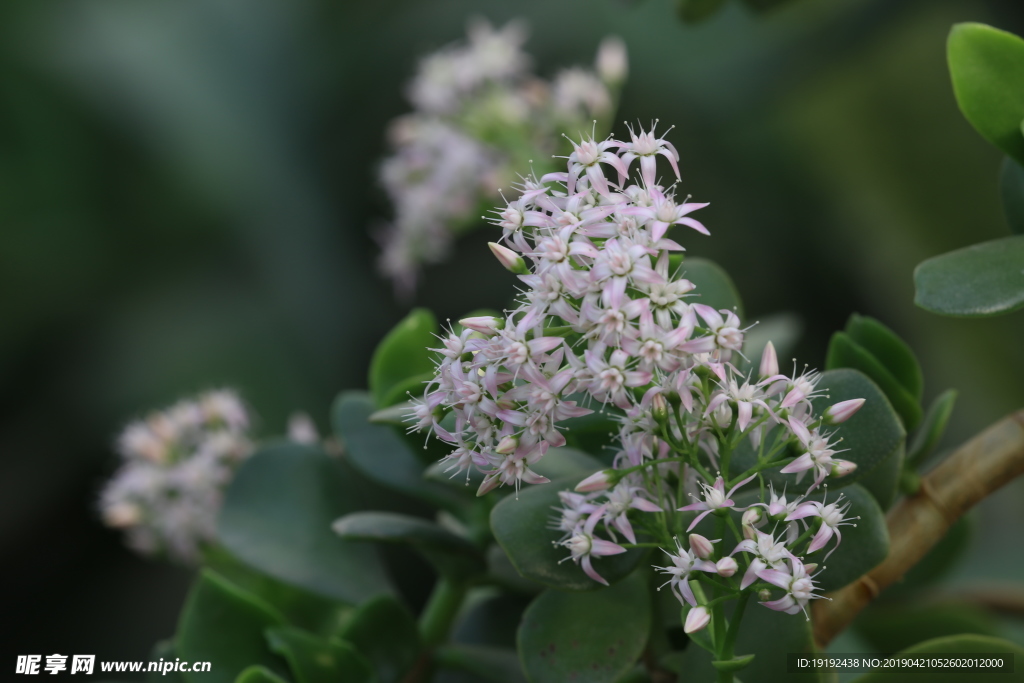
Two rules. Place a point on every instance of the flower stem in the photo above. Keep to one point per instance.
(441, 610)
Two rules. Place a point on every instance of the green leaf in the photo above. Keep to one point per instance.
(873, 435)
(764, 633)
(932, 428)
(963, 644)
(317, 660)
(1011, 189)
(987, 68)
(695, 11)
(864, 546)
(497, 664)
(595, 637)
(452, 555)
(734, 664)
(522, 528)
(891, 351)
(401, 355)
(380, 454)
(277, 515)
(883, 482)
(844, 352)
(978, 281)
(223, 624)
(384, 631)
(714, 286)
(888, 627)
(259, 674)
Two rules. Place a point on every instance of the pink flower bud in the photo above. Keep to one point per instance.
(696, 619)
(509, 259)
(753, 517)
(769, 361)
(484, 324)
(840, 468)
(843, 411)
(598, 481)
(612, 61)
(508, 444)
(701, 546)
(810, 567)
(726, 567)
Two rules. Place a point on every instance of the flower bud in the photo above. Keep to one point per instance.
(810, 567)
(843, 411)
(752, 517)
(612, 60)
(726, 567)
(509, 259)
(764, 595)
(659, 408)
(598, 481)
(840, 468)
(508, 444)
(701, 546)
(696, 619)
(484, 324)
(769, 361)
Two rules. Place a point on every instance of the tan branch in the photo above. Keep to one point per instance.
(982, 465)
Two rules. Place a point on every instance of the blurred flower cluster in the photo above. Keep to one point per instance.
(479, 115)
(176, 463)
(608, 318)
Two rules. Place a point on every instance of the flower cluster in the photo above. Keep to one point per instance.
(176, 462)
(608, 319)
(480, 113)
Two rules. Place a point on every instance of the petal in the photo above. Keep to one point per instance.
(588, 569)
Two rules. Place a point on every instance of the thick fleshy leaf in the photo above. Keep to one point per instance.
(883, 482)
(318, 660)
(956, 645)
(496, 664)
(521, 525)
(864, 546)
(695, 11)
(452, 555)
(714, 286)
(384, 631)
(403, 354)
(259, 674)
(299, 607)
(844, 352)
(764, 633)
(1011, 189)
(382, 455)
(277, 515)
(873, 435)
(978, 281)
(224, 624)
(891, 351)
(932, 428)
(593, 637)
(987, 68)
(897, 626)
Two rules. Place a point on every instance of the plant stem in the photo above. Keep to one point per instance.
(984, 464)
(441, 610)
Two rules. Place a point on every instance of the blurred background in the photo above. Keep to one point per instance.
(187, 189)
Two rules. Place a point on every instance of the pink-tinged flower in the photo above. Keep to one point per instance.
(646, 147)
(701, 546)
(683, 564)
(598, 481)
(697, 619)
(576, 507)
(832, 517)
(817, 456)
(843, 411)
(509, 259)
(586, 159)
(654, 346)
(664, 213)
(768, 554)
(745, 398)
(798, 584)
(715, 498)
(514, 469)
(801, 388)
(726, 567)
(725, 331)
(584, 545)
(623, 498)
(611, 378)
